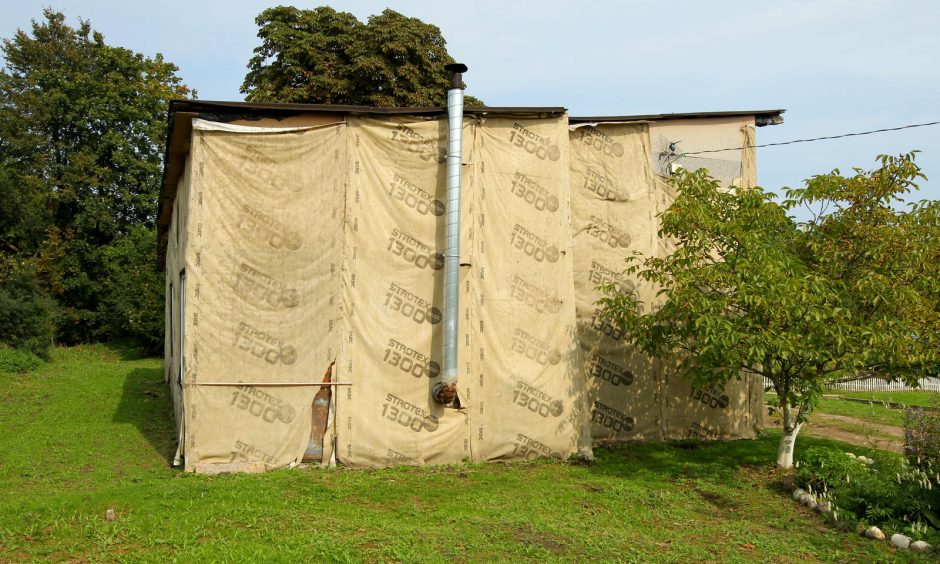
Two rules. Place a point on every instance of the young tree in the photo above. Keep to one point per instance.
(327, 57)
(749, 291)
(82, 131)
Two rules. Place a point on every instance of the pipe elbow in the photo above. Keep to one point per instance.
(444, 394)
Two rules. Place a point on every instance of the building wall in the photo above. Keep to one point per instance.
(693, 135)
(325, 243)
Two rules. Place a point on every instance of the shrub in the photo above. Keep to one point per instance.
(922, 437)
(134, 290)
(13, 361)
(26, 315)
(884, 490)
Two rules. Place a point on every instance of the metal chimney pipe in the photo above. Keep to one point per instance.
(445, 391)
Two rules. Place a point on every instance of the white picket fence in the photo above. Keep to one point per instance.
(879, 385)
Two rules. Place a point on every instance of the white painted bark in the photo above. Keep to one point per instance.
(788, 441)
(787, 444)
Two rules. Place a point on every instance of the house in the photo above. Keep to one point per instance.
(304, 254)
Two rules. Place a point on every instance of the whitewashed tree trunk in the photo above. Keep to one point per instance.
(788, 440)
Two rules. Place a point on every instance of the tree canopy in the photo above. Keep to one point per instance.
(327, 57)
(750, 291)
(82, 130)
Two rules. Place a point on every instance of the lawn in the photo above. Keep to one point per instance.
(92, 430)
(870, 413)
(913, 397)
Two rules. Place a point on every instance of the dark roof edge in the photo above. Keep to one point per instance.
(762, 117)
(217, 105)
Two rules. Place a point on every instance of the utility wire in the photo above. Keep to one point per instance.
(813, 139)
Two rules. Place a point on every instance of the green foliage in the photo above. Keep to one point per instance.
(922, 437)
(82, 129)
(328, 57)
(751, 290)
(16, 361)
(883, 490)
(26, 316)
(134, 289)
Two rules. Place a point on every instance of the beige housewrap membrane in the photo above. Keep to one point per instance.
(262, 275)
(304, 246)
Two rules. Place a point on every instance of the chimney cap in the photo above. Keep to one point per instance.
(456, 67)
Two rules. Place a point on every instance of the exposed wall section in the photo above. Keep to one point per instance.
(175, 261)
(736, 410)
(616, 198)
(262, 271)
(703, 134)
(530, 398)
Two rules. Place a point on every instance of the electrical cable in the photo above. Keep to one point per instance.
(812, 139)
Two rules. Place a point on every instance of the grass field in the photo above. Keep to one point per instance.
(92, 430)
(913, 397)
(870, 413)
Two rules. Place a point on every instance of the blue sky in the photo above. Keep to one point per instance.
(836, 66)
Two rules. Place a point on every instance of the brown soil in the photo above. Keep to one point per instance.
(874, 435)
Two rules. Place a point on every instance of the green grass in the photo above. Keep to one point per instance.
(914, 397)
(870, 413)
(92, 430)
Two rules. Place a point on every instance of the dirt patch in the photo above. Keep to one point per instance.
(842, 428)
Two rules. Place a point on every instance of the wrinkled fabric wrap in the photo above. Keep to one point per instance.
(616, 200)
(262, 279)
(310, 241)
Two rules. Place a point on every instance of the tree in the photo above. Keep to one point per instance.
(327, 57)
(750, 291)
(82, 130)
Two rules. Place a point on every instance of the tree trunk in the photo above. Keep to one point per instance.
(788, 440)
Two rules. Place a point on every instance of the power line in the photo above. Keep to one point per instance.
(813, 139)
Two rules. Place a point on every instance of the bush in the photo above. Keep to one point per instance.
(13, 361)
(922, 437)
(885, 491)
(134, 303)
(26, 315)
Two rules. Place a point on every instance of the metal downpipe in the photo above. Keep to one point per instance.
(445, 391)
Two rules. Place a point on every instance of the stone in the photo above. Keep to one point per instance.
(824, 507)
(874, 533)
(921, 546)
(900, 541)
(806, 498)
(109, 515)
(798, 493)
(812, 504)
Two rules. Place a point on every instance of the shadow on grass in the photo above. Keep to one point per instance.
(689, 459)
(146, 404)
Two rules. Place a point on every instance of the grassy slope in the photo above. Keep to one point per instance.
(872, 413)
(913, 397)
(92, 431)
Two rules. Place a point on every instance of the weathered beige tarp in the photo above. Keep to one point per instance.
(392, 288)
(296, 247)
(748, 158)
(616, 199)
(693, 135)
(519, 391)
(262, 280)
(530, 399)
(709, 413)
(613, 215)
